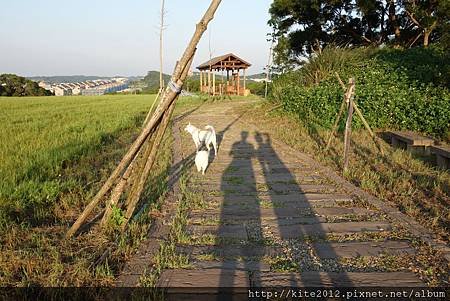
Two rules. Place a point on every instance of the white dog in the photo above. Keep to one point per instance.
(207, 136)
(201, 161)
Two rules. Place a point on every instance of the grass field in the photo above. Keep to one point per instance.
(55, 152)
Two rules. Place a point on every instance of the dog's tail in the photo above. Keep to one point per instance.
(213, 137)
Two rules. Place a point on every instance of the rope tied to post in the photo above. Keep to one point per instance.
(174, 87)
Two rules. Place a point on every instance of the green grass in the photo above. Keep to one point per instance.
(55, 154)
(43, 136)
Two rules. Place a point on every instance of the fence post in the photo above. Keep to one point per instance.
(348, 124)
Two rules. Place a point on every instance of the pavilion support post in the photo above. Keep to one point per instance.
(245, 79)
(201, 81)
(238, 83)
(209, 81)
(214, 83)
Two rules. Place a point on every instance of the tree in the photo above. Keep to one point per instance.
(303, 27)
(13, 85)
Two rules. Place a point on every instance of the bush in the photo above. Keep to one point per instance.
(401, 89)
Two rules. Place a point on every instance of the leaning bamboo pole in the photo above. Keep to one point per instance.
(169, 96)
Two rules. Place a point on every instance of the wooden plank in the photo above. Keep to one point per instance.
(299, 231)
(230, 250)
(442, 150)
(328, 250)
(343, 279)
(300, 200)
(412, 138)
(238, 213)
(223, 231)
(207, 278)
(230, 189)
(233, 265)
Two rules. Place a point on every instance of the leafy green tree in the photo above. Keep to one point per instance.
(13, 85)
(303, 27)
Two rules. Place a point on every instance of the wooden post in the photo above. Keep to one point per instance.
(209, 81)
(201, 81)
(348, 124)
(238, 83)
(360, 115)
(168, 98)
(214, 83)
(336, 122)
(245, 87)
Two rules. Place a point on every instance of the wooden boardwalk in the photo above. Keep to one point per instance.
(270, 218)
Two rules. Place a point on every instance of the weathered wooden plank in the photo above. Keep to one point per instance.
(297, 200)
(223, 231)
(411, 138)
(239, 213)
(343, 279)
(206, 278)
(233, 265)
(276, 188)
(298, 231)
(258, 178)
(231, 250)
(327, 250)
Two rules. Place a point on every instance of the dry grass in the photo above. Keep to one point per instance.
(405, 181)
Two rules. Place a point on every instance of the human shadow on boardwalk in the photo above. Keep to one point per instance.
(236, 221)
(294, 219)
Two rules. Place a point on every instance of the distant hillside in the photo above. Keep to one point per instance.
(151, 80)
(75, 78)
(13, 85)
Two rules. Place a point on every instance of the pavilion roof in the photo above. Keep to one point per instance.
(225, 62)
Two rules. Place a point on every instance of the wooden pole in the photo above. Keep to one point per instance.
(214, 83)
(151, 108)
(161, 32)
(238, 83)
(348, 124)
(201, 81)
(167, 99)
(336, 123)
(360, 115)
(245, 86)
(269, 62)
(209, 82)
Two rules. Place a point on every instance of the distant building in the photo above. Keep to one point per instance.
(62, 91)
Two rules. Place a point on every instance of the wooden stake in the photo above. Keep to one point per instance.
(360, 115)
(348, 124)
(151, 108)
(168, 97)
(336, 123)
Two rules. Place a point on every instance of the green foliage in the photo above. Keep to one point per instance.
(257, 88)
(303, 27)
(151, 81)
(13, 85)
(404, 89)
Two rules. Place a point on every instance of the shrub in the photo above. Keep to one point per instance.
(402, 89)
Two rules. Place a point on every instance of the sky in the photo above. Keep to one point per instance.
(111, 37)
